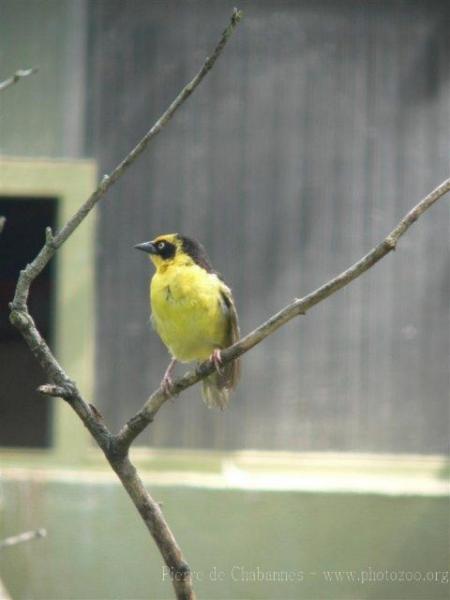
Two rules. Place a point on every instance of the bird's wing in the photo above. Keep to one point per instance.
(216, 387)
(232, 371)
(230, 308)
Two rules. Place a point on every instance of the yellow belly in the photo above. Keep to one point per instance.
(187, 312)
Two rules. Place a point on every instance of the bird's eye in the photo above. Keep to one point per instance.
(161, 245)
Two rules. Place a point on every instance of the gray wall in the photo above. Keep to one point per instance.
(321, 125)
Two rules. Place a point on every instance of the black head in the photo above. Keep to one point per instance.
(174, 245)
(164, 247)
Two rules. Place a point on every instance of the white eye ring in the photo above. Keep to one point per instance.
(161, 245)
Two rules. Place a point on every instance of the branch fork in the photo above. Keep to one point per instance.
(114, 447)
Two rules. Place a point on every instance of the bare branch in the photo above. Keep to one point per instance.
(32, 270)
(299, 307)
(18, 75)
(22, 537)
(61, 385)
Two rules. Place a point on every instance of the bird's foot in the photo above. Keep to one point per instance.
(166, 382)
(216, 359)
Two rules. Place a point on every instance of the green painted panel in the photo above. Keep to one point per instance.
(43, 114)
(97, 548)
(70, 182)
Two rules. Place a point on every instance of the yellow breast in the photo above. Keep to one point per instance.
(188, 311)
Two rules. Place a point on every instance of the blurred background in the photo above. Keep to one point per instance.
(320, 126)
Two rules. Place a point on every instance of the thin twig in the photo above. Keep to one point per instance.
(61, 385)
(27, 536)
(18, 75)
(139, 422)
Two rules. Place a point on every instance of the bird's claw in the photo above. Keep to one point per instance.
(167, 384)
(216, 359)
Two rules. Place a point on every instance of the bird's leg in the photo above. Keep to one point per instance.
(166, 383)
(216, 359)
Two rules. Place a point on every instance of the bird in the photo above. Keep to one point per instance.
(193, 312)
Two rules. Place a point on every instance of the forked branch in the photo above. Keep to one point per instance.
(62, 385)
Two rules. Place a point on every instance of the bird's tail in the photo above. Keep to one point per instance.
(217, 386)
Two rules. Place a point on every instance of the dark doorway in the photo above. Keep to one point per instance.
(24, 415)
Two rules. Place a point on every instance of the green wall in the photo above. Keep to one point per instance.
(43, 115)
(97, 548)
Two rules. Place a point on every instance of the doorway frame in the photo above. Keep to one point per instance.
(70, 182)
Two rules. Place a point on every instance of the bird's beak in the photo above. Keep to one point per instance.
(148, 247)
